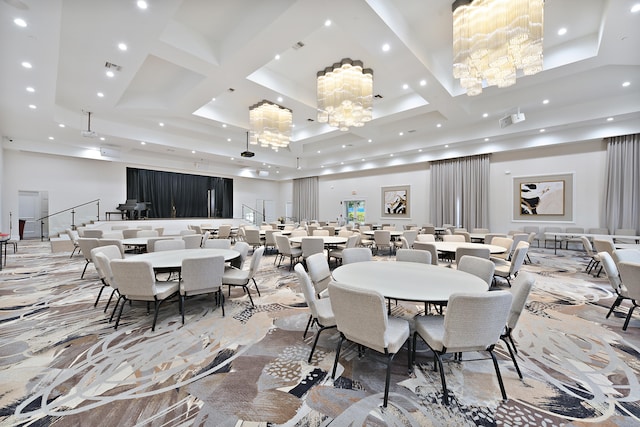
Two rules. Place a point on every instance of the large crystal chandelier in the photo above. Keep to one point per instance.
(270, 125)
(494, 38)
(345, 94)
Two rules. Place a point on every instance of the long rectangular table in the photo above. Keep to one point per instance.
(588, 235)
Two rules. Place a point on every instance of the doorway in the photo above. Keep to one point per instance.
(355, 211)
(33, 205)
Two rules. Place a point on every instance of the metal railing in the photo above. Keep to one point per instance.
(251, 215)
(72, 210)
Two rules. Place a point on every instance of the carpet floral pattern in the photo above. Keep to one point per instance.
(62, 363)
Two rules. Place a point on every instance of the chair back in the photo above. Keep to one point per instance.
(518, 257)
(319, 271)
(192, 241)
(321, 232)
(466, 235)
(345, 233)
(506, 243)
(453, 238)
(112, 242)
(351, 255)
(488, 238)
(151, 243)
(603, 245)
(73, 235)
(255, 261)
(160, 230)
(425, 238)
(196, 228)
(283, 244)
(352, 241)
(331, 230)
(169, 245)
(269, 238)
(201, 274)
(224, 231)
(475, 321)
(147, 233)
(130, 233)
(205, 236)
(117, 234)
(307, 289)
(109, 252)
(630, 276)
(252, 237)
(413, 255)
(312, 245)
(587, 245)
(382, 237)
(361, 315)
(101, 262)
(626, 255)
(218, 244)
(428, 229)
(479, 267)
(480, 230)
(299, 232)
(520, 290)
(610, 267)
(135, 279)
(517, 238)
(86, 244)
(186, 232)
(603, 231)
(93, 233)
(243, 249)
(411, 236)
(429, 247)
(476, 252)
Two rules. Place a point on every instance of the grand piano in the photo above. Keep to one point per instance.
(132, 209)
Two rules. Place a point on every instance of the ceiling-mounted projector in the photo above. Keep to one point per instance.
(89, 133)
(247, 154)
(511, 119)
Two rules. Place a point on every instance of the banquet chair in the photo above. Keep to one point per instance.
(576, 239)
(86, 244)
(476, 252)
(286, 250)
(73, 236)
(270, 240)
(465, 234)
(199, 276)
(480, 267)
(603, 245)
(517, 238)
(506, 243)
(93, 233)
(136, 282)
(312, 245)
(321, 311)
(630, 275)
(409, 237)
(625, 232)
(413, 255)
(611, 269)
(352, 242)
(147, 233)
(428, 229)
(218, 244)
(345, 233)
(299, 232)
(192, 241)
(130, 233)
(320, 273)
(320, 232)
(112, 242)
(196, 229)
(237, 277)
(488, 238)
(453, 238)
(510, 269)
(205, 236)
(331, 230)
(351, 255)
(520, 291)
(169, 245)
(151, 243)
(252, 237)
(626, 255)
(382, 239)
(532, 229)
(594, 258)
(361, 317)
(101, 256)
(551, 230)
(186, 232)
(117, 234)
(465, 327)
(224, 231)
(243, 250)
(425, 238)
(430, 247)
(160, 230)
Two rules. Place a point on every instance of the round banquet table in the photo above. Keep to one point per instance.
(409, 281)
(392, 233)
(451, 247)
(172, 260)
(328, 240)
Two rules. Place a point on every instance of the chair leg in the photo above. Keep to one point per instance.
(84, 270)
(256, 285)
(246, 289)
(181, 301)
(613, 306)
(513, 356)
(335, 362)
(109, 302)
(436, 355)
(120, 312)
(495, 364)
(307, 328)
(221, 296)
(155, 314)
(626, 321)
(315, 341)
(387, 380)
(95, 304)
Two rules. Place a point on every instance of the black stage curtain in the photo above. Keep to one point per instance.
(178, 195)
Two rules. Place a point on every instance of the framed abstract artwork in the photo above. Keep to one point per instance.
(543, 198)
(395, 201)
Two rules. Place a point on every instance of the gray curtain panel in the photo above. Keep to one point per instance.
(305, 198)
(622, 188)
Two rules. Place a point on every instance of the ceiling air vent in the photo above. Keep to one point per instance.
(111, 66)
(298, 45)
(378, 96)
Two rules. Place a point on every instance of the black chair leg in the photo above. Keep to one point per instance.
(387, 380)
(84, 270)
(307, 328)
(109, 302)
(495, 364)
(115, 307)
(246, 289)
(256, 285)
(513, 356)
(626, 322)
(613, 306)
(335, 362)
(445, 393)
(120, 313)
(95, 304)
(181, 301)
(315, 341)
(155, 314)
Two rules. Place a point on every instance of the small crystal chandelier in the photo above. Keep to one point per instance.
(494, 38)
(270, 125)
(345, 94)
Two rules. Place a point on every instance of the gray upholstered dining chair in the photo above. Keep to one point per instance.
(312, 245)
(506, 243)
(192, 241)
(320, 273)
(480, 267)
(101, 256)
(86, 244)
(611, 269)
(429, 247)
(603, 245)
(510, 269)
(199, 276)
(252, 237)
(321, 311)
(218, 243)
(361, 317)
(286, 250)
(630, 275)
(594, 259)
(465, 327)
(520, 290)
(136, 282)
(413, 255)
(479, 252)
(93, 233)
(237, 277)
(169, 245)
(382, 239)
(147, 233)
(243, 249)
(352, 255)
(352, 242)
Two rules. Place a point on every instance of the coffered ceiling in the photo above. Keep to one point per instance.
(195, 66)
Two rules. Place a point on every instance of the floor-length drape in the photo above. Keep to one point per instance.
(460, 192)
(622, 183)
(305, 198)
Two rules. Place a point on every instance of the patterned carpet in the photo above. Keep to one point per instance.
(62, 363)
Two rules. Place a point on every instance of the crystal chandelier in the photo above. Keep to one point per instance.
(494, 38)
(345, 94)
(270, 125)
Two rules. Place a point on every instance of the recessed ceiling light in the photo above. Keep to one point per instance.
(224, 125)
(193, 151)
(142, 4)
(110, 73)
(213, 99)
(233, 158)
(542, 130)
(423, 82)
(405, 86)
(562, 31)
(485, 115)
(102, 138)
(228, 139)
(26, 64)
(100, 95)
(344, 146)
(51, 138)
(33, 107)
(143, 143)
(318, 151)
(626, 84)
(362, 160)
(342, 163)
(30, 89)
(61, 125)
(420, 150)
(635, 8)
(20, 22)
(391, 155)
(446, 146)
(609, 119)
(439, 125)
(122, 46)
(486, 140)
(370, 140)
(277, 171)
(279, 99)
(546, 101)
(386, 47)
(327, 23)
(161, 124)
(322, 166)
